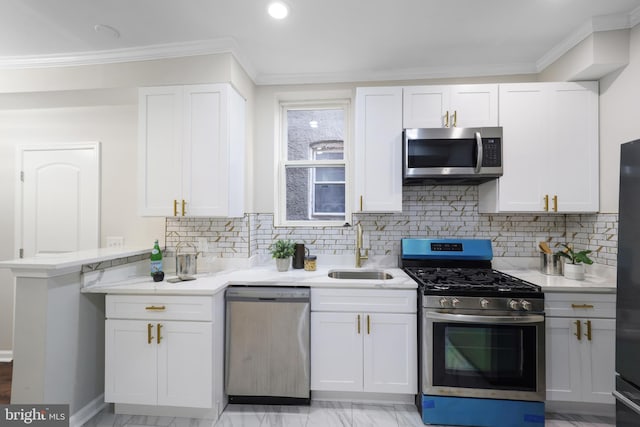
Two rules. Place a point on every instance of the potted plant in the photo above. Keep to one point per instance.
(282, 251)
(574, 267)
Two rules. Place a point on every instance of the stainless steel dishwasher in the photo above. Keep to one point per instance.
(267, 345)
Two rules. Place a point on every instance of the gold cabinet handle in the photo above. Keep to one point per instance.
(358, 324)
(175, 207)
(581, 305)
(588, 334)
(149, 333)
(555, 203)
(368, 324)
(578, 333)
(446, 119)
(184, 207)
(546, 203)
(360, 203)
(455, 118)
(159, 335)
(155, 308)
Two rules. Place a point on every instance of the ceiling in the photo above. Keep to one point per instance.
(320, 41)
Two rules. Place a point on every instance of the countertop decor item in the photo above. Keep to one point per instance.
(282, 251)
(574, 268)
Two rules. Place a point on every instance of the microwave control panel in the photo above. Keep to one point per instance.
(491, 152)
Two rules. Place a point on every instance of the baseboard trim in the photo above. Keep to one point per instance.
(88, 411)
(6, 355)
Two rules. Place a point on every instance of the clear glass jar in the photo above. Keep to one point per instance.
(310, 263)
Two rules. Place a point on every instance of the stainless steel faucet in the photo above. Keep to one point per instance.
(359, 256)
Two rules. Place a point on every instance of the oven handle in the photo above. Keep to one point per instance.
(467, 318)
(479, 157)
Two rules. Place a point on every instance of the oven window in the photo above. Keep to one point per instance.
(442, 153)
(485, 356)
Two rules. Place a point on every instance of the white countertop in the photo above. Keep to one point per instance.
(69, 261)
(212, 283)
(598, 278)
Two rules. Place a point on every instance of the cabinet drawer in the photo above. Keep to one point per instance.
(580, 305)
(365, 300)
(159, 307)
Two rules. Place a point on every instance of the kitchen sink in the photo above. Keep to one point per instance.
(362, 275)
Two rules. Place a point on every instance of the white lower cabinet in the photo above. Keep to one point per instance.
(160, 360)
(580, 347)
(364, 350)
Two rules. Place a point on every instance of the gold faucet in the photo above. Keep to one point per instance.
(359, 256)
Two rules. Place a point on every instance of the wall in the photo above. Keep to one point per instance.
(619, 121)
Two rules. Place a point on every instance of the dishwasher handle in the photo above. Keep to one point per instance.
(268, 294)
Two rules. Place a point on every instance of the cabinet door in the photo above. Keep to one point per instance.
(185, 364)
(426, 107)
(563, 361)
(378, 165)
(159, 149)
(573, 157)
(598, 357)
(130, 362)
(523, 117)
(390, 353)
(474, 105)
(336, 351)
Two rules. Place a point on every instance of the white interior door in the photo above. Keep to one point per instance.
(59, 198)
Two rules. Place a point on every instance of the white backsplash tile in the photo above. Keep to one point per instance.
(428, 211)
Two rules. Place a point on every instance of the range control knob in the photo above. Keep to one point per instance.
(526, 305)
(484, 303)
(455, 302)
(514, 305)
(445, 303)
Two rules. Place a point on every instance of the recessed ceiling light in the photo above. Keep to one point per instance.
(278, 10)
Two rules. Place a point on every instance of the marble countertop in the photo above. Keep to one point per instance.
(598, 278)
(265, 275)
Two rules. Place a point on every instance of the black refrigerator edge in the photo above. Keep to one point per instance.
(627, 391)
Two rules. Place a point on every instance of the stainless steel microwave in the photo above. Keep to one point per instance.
(451, 155)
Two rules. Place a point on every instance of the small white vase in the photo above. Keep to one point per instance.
(282, 264)
(574, 271)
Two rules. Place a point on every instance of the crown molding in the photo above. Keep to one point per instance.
(141, 53)
(397, 75)
(593, 25)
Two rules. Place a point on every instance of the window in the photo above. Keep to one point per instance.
(312, 167)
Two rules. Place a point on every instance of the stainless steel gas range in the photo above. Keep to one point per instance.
(481, 337)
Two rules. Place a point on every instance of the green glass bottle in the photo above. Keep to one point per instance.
(156, 259)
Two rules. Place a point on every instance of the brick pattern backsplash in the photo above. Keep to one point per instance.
(428, 211)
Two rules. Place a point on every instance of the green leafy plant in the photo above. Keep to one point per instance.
(282, 249)
(573, 256)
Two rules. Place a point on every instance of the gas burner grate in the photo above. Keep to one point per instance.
(469, 280)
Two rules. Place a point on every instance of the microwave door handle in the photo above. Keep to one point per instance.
(479, 158)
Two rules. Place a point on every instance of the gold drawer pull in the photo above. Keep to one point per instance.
(581, 305)
(155, 308)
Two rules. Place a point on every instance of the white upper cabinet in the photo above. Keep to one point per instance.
(550, 149)
(450, 106)
(191, 151)
(378, 149)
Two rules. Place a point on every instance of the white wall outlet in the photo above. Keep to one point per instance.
(115, 241)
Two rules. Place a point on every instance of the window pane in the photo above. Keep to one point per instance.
(330, 174)
(329, 198)
(309, 201)
(328, 155)
(314, 130)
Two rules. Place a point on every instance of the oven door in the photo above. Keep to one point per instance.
(487, 356)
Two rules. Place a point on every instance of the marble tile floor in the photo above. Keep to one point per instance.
(319, 414)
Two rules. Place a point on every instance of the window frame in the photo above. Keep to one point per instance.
(282, 162)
